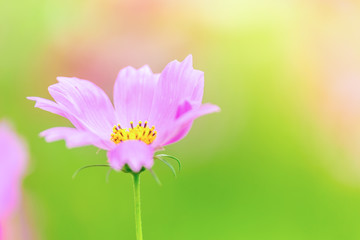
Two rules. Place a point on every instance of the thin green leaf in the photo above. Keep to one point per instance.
(168, 164)
(155, 176)
(172, 157)
(108, 175)
(88, 166)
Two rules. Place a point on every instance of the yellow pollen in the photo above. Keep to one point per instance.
(139, 132)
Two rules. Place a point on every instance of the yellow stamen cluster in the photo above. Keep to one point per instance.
(139, 132)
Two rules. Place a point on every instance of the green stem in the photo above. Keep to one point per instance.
(137, 206)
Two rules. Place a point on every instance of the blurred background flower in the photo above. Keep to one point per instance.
(284, 73)
(13, 162)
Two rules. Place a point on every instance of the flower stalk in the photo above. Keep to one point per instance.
(136, 177)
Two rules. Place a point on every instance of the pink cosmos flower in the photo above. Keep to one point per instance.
(150, 111)
(13, 161)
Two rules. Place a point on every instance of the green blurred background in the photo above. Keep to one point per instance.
(281, 160)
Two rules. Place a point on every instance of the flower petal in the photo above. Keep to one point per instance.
(183, 108)
(135, 153)
(13, 162)
(87, 102)
(55, 108)
(75, 138)
(182, 125)
(133, 94)
(86, 106)
(178, 82)
(48, 105)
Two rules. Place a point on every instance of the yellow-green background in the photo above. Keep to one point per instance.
(272, 165)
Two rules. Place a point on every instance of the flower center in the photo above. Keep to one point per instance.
(139, 132)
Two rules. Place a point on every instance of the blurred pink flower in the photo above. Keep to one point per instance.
(169, 102)
(13, 161)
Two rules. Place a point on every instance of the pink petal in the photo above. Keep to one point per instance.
(75, 138)
(133, 94)
(55, 108)
(86, 106)
(48, 105)
(87, 102)
(10, 196)
(183, 108)
(13, 161)
(178, 82)
(182, 125)
(135, 153)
